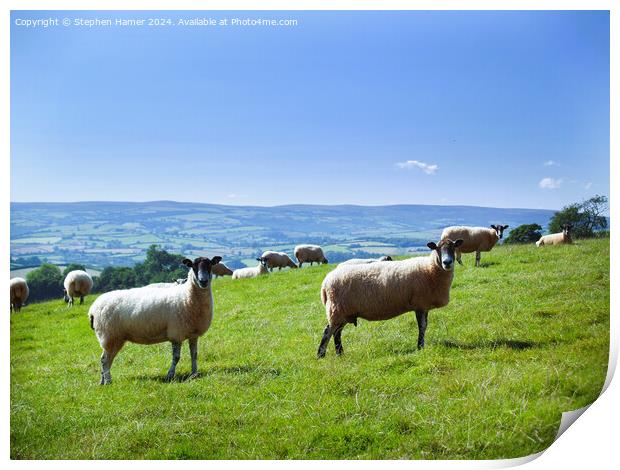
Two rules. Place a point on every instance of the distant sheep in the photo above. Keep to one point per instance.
(221, 269)
(380, 291)
(78, 283)
(278, 260)
(364, 260)
(149, 315)
(19, 293)
(245, 273)
(309, 254)
(474, 239)
(563, 238)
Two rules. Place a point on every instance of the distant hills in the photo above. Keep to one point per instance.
(100, 234)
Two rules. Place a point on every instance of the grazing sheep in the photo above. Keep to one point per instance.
(19, 293)
(364, 260)
(309, 254)
(149, 315)
(278, 260)
(78, 283)
(557, 238)
(255, 271)
(221, 269)
(380, 291)
(474, 239)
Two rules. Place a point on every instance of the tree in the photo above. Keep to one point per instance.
(45, 282)
(585, 217)
(72, 267)
(160, 266)
(526, 233)
(112, 278)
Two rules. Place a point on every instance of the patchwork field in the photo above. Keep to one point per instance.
(525, 337)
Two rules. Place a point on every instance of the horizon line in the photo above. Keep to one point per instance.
(275, 205)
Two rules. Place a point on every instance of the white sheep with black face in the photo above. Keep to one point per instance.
(563, 238)
(309, 254)
(380, 291)
(476, 239)
(149, 315)
(277, 259)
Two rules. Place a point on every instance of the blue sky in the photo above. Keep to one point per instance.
(504, 109)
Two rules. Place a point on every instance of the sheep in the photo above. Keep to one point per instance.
(278, 260)
(380, 291)
(163, 284)
(309, 253)
(364, 260)
(221, 269)
(78, 283)
(149, 315)
(255, 271)
(474, 239)
(557, 238)
(18, 294)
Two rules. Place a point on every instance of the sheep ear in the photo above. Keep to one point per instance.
(432, 245)
(458, 243)
(188, 262)
(259, 259)
(216, 259)
(506, 226)
(493, 227)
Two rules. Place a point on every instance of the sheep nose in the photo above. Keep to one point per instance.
(447, 263)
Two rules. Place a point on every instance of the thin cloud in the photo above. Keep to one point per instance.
(236, 196)
(429, 169)
(550, 183)
(550, 163)
(588, 185)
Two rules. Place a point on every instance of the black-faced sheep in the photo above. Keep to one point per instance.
(563, 238)
(309, 254)
(149, 315)
(278, 260)
(380, 291)
(474, 239)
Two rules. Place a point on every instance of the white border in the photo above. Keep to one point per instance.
(591, 441)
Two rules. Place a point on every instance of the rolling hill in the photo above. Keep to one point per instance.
(99, 234)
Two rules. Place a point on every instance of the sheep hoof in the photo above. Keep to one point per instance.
(193, 375)
(320, 354)
(169, 378)
(339, 352)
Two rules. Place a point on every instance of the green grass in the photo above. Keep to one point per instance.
(524, 338)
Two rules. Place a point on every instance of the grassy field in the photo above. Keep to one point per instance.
(524, 338)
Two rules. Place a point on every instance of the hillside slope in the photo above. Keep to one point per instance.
(524, 338)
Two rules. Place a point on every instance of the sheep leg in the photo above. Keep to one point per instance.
(338, 340)
(422, 318)
(327, 334)
(176, 355)
(193, 352)
(477, 258)
(81, 299)
(107, 358)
